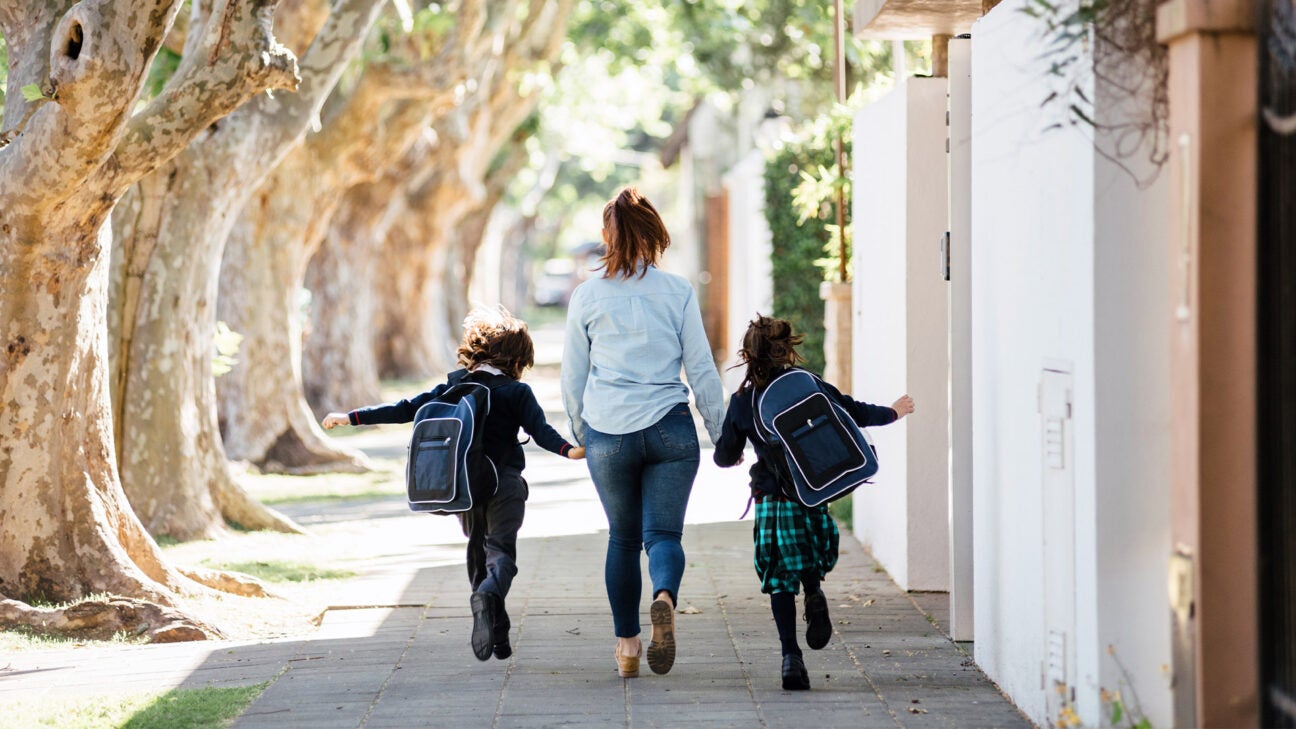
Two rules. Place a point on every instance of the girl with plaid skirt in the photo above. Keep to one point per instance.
(795, 545)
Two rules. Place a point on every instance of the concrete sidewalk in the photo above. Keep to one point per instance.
(887, 665)
(393, 651)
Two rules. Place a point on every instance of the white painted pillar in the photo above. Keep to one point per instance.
(901, 327)
(960, 226)
(751, 278)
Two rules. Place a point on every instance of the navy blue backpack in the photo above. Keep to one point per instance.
(826, 454)
(448, 471)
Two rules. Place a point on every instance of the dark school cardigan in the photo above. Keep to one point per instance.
(513, 406)
(740, 427)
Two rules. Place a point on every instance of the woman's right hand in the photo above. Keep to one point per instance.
(333, 420)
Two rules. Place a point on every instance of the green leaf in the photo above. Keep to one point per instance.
(1077, 111)
(227, 344)
(1118, 710)
(227, 340)
(32, 92)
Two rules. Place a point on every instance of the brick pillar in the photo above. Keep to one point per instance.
(837, 333)
(1212, 261)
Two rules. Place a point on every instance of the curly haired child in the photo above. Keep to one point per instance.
(495, 350)
(795, 545)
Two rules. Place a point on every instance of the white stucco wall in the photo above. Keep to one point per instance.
(1067, 266)
(1033, 304)
(1132, 339)
(900, 327)
(751, 287)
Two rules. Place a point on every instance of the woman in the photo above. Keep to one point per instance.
(628, 334)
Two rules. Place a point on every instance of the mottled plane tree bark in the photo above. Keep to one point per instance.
(441, 229)
(66, 528)
(378, 303)
(172, 463)
(428, 275)
(339, 363)
(264, 416)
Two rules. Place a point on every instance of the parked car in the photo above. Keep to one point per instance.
(555, 281)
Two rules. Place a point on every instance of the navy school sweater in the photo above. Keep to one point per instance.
(740, 427)
(513, 406)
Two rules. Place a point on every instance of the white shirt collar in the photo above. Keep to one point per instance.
(487, 368)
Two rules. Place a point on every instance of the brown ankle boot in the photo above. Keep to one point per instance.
(628, 666)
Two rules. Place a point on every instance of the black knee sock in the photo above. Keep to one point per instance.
(783, 605)
(811, 583)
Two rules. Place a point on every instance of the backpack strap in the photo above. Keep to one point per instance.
(756, 419)
(488, 380)
(756, 416)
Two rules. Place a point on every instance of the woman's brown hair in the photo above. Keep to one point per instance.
(635, 234)
(768, 347)
(498, 339)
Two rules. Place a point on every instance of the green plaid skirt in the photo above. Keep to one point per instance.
(792, 539)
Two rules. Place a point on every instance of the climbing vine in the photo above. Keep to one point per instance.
(796, 248)
(1109, 49)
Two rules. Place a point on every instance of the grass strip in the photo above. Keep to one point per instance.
(204, 708)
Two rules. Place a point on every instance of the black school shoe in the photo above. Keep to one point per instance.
(795, 677)
(502, 649)
(819, 628)
(483, 630)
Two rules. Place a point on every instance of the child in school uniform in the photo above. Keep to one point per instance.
(796, 545)
(495, 350)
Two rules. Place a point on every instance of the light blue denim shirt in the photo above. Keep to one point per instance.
(627, 340)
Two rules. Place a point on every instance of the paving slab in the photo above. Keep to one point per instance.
(393, 652)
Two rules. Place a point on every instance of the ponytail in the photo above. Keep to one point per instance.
(636, 235)
(768, 347)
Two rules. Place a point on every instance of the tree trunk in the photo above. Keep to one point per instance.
(66, 529)
(416, 339)
(418, 323)
(339, 368)
(422, 277)
(264, 415)
(173, 463)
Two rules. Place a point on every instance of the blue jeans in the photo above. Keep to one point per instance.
(643, 479)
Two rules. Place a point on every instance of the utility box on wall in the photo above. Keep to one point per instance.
(1057, 445)
(900, 327)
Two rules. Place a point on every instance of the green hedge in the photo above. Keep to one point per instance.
(796, 248)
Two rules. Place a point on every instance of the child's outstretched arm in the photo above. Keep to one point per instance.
(866, 414)
(396, 412)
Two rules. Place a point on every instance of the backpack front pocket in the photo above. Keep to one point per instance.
(434, 464)
(818, 441)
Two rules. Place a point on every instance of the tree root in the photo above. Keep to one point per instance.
(237, 506)
(295, 455)
(104, 619)
(230, 582)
